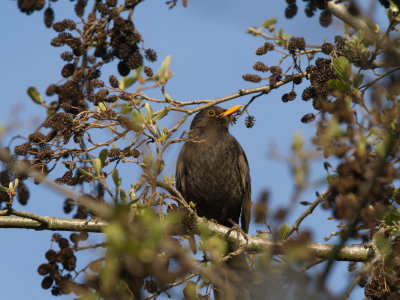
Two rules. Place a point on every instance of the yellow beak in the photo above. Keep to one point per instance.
(230, 111)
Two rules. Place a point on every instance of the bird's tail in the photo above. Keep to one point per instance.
(236, 278)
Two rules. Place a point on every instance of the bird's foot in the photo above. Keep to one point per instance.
(239, 231)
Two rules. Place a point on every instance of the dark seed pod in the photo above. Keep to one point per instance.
(250, 121)
(297, 80)
(327, 48)
(67, 70)
(51, 255)
(325, 18)
(111, 3)
(296, 43)
(135, 61)
(150, 286)
(69, 264)
(291, 11)
(63, 243)
(23, 193)
(47, 282)
(148, 71)
(74, 237)
(308, 118)
(289, 96)
(265, 48)
(44, 269)
(385, 3)
(151, 55)
(260, 66)
(100, 51)
(83, 236)
(123, 69)
(252, 78)
(114, 82)
(67, 56)
(39, 4)
(48, 17)
(80, 8)
(275, 70)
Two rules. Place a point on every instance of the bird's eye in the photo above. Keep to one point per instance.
(211, 113)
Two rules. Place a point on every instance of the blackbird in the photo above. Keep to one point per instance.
(212, 169)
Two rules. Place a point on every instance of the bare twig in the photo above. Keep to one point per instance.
(308, 211)
(171, 285)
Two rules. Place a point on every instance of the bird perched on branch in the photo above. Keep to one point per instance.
(212, 171)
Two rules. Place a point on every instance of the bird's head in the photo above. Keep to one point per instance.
(214, 117)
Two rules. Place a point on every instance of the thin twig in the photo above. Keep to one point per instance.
(308, 211)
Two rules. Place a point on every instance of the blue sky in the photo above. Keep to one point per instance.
(210, 52)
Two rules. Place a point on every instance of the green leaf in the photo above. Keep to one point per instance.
(284, 231)
(35, 95)
(342, 68)
(86, 173)
(162, 113)
(391, 217)
(332, 179)
(298, 141)
(116, 178)
(216, 245)
(167, 97)
(396, 195)
(102, 106)
(164, 73)
(97, 165)
(394, 5)
(268, 23)
(147, 159)
(126, 109)
(283, 37)
(190, 290)
(149, 110)
(357, 80)
(381, 242)
(382, 147)
(137, 72)
(159, 166)
(339, 85)
(137, 117)
(123, 196)
(262, 234)
(333, 130)
(3, 189)
(115, 234)
(103, 156)
(126, 82)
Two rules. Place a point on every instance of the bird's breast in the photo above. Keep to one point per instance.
(216, 165)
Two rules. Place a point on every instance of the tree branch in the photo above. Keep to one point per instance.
(341, 12)
(318, 250)
(308, 211)
(253, 245)
(51, 223)
(374, 37)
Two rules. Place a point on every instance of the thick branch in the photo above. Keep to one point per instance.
(341, 12)
(318, 250)
(253, 245)
(51, 223)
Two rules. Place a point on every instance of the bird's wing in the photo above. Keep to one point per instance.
(180, 177)
(246, 187)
